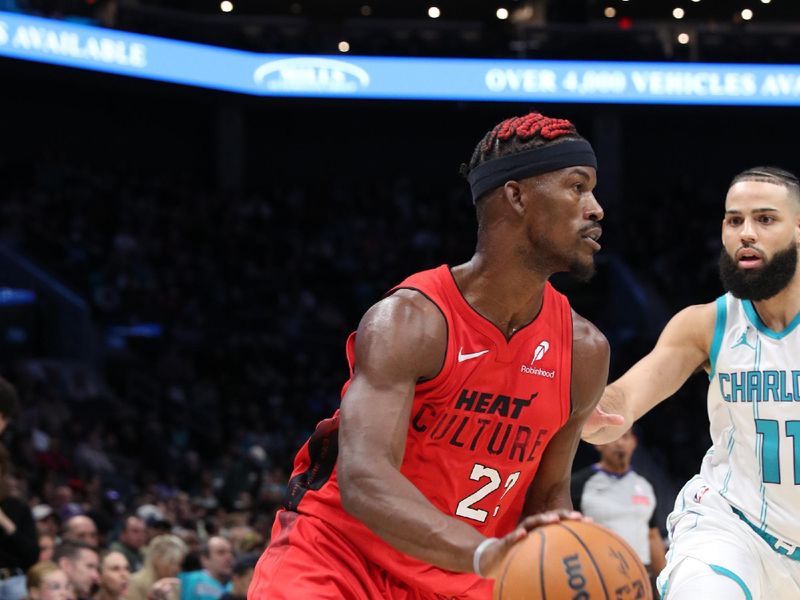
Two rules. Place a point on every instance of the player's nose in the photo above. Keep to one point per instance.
(593, 211)
(748, 231)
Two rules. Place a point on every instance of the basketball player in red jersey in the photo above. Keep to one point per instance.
(469, 387)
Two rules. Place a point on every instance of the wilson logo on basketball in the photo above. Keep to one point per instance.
(575, 577)
(572, 560)
(538, 354)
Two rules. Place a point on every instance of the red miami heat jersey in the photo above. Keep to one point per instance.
(477, 430)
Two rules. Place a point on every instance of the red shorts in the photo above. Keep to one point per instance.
(307, 558)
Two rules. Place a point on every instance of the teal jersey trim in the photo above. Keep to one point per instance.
(780, 546)
(730, 574)
(663, 591)
(752, 315)
(719, 331)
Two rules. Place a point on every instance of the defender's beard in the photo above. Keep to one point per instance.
(763, 282)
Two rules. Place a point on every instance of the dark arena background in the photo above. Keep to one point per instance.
(180, 265)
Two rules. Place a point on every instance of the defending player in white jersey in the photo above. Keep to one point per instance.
(735, 528)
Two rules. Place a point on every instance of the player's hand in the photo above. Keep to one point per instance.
(165, 588)
(492, 557)
(600, 419)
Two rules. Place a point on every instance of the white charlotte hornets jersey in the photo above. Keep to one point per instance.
(754, 410)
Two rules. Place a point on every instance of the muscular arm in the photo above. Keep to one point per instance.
(399, 341)
(590, 353)
(681, 349)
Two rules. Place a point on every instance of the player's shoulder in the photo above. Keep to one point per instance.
(587, 339)
(402, 308)
(404, 334)
(695, 322)
(698, 314)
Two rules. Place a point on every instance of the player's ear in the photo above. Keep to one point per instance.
(797, 223)
(513, 195)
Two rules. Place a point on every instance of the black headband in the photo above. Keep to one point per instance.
(495, 172)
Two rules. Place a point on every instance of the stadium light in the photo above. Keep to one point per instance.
(502, 13)
(747, 14)
(226, 6)
(765, 1)
(610, 12)
(434, 12)
(683, 38)
(678, 13)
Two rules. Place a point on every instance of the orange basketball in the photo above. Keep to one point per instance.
(572, 560)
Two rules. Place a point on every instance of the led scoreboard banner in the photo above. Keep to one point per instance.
(343, 76)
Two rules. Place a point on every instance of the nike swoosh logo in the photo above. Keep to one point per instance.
(463, 357)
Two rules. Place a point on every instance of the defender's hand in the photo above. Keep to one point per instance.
(600, 419)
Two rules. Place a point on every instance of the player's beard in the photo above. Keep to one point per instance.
(761, 283)
(542, 256)
(583, 271)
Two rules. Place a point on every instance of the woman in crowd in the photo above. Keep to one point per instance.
(46, 581)
(115, 576)
(46, 546)
(162, 563)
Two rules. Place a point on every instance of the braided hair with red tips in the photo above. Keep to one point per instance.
(517, 134)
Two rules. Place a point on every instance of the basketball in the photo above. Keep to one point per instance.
(572, 560)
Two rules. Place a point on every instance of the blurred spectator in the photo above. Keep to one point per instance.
(213, 580)
(64, 498)
(242, 574)
(192, 560)
(245, 539)
(80, 562)
(114, 576)
(47, 544)
(46, 520)
(617, 497)
(155, 521)
(45, 581)
(155, 527)
(163, 557)
(9, 404)
(80, 528)
(18, 539)
(130, 542)
(91, 457)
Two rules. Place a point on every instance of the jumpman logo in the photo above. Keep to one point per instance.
(743, 340)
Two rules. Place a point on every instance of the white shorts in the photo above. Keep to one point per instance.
(704, 527)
